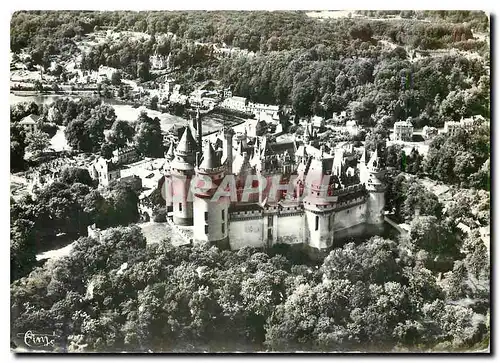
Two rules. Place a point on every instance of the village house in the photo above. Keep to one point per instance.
(104, 171)
(403, 131)
(125, 155)
(318, 122)
(235, 103)
(29, 123)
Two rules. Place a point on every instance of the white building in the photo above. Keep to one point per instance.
(125, 155)
(235, 103)
(451, 127)
(467, 124)
(105, 171)
(318, 121)
(29, 123)
(159, 62)
(352, 128)
(260, 108)
(403, 131)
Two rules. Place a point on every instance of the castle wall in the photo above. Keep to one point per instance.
(349, 217)
(376, 204)
(355, 231)
(246, 232)
(290, 229)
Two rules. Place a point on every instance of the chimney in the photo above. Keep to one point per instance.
(199, 130)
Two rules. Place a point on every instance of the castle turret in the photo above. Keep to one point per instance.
(169, 156)
(210, 216)
(228, 148)
(319, 205)
(182, 170)
(372, 175)
(167, 191)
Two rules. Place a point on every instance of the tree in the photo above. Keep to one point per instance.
(148, 136)
(419, 200)
(116, 78)
(464, 167)
(77, 136)
(160, 214)
(86, 134)
(414, 162)
(107, 149)
(396, 194)
(72, 175)
(39, 86)
(17, 146)
(362, 111)
(154, 103)
(395, 157)
(427, 233)
(476, 257)
(123, 205)
(302, 99)
(143, 71)
(105, 114)
(121, 133)
(37, 142)
(22, 248)
(377, 140)
(457, 282)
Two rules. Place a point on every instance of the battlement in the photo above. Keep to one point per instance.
(350, 189)
(219, 169)
(250, 210)
(348, 203)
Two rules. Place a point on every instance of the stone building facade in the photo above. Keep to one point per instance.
(403, 131)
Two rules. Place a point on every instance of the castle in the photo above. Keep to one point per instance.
(260, 193)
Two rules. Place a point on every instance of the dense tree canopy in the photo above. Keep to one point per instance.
(121, 294)
(462, 158)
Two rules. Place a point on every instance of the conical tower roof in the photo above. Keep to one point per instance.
(170, 153)
(210, 159)
(363, 157)
(187, 144)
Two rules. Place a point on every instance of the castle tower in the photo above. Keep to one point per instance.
(372, 175)
(210, 216)
(182, 170)
(227, 148)
(167, 172)
(319, 205)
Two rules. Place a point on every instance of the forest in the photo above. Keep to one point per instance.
(317, 67)
(121, 294)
